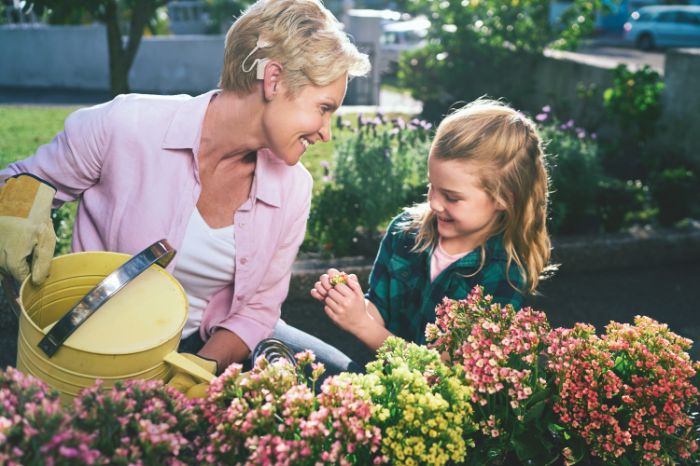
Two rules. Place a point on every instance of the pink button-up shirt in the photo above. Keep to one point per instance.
(133, 164)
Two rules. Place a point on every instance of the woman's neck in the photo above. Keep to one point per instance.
(231, 127)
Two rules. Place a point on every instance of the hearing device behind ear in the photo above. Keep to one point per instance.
(260, 71)
(258, 63)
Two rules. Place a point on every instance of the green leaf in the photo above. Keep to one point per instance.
(535, 412)
(578, 449)
(537, 396)
(530, 449)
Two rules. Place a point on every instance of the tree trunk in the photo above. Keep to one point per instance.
(121, 56)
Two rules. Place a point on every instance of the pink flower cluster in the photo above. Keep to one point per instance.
(271, 416)
(499, 349)
(140, 422)
(34, 427)
(627, 393)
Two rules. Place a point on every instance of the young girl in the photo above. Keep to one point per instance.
(484, 223)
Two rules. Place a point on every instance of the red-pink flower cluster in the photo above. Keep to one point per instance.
(498, 348)
(627, 392)
(270, 416)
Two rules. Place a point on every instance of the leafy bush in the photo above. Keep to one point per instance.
(63, 219)
(618, 201)
(634, 106)
(485, 47)
(575, 172)
(378, 168)
(675, 191)
(635, 99)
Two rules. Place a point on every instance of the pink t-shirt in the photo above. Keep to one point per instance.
(133, 164)
(440, 260)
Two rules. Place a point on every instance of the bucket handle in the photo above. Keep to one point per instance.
(160, 253)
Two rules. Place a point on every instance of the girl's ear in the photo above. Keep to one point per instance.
(272, 77)
(500, 203)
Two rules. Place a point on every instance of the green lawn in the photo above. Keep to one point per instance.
(24, 128)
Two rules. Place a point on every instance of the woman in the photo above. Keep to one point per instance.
(217, 175)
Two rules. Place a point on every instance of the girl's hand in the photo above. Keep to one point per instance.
(323, 285)
(345, 305)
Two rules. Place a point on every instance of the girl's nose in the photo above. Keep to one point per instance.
(435, 206)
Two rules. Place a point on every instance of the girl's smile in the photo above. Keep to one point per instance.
(464, 210)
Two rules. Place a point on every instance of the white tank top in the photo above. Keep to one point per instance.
(205, 264)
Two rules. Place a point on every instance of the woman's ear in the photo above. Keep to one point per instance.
(271, 77)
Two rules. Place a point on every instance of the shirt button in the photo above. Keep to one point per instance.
(244, 260)
(240, 298)
(404, 274)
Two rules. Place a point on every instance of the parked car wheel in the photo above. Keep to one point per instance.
(646, 41)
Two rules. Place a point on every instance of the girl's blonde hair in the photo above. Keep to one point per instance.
(508, 154)
(300, 34)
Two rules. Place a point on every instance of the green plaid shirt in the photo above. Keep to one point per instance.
(400, 287)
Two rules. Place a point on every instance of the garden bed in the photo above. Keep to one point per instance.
(638, 248)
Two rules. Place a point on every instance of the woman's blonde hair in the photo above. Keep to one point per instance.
(301, 34)
(508, 154)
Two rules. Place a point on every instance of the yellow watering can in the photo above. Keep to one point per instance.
(68, 343)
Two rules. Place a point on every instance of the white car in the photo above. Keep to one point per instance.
(664, 26)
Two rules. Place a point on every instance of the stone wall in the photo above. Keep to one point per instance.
(76, 57)
(585, 254)
(681, 122)
(561, 75)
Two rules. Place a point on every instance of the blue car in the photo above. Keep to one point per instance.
(664, 26)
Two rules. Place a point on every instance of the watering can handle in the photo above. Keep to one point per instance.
(160, 253)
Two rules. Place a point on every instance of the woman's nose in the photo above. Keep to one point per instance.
(325, 131)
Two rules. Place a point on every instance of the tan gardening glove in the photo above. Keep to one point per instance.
(26, 230)
(185, 383)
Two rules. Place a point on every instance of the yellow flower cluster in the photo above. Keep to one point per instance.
(421, 406)
(427, 429)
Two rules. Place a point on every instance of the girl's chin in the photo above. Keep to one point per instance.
(444, 228)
